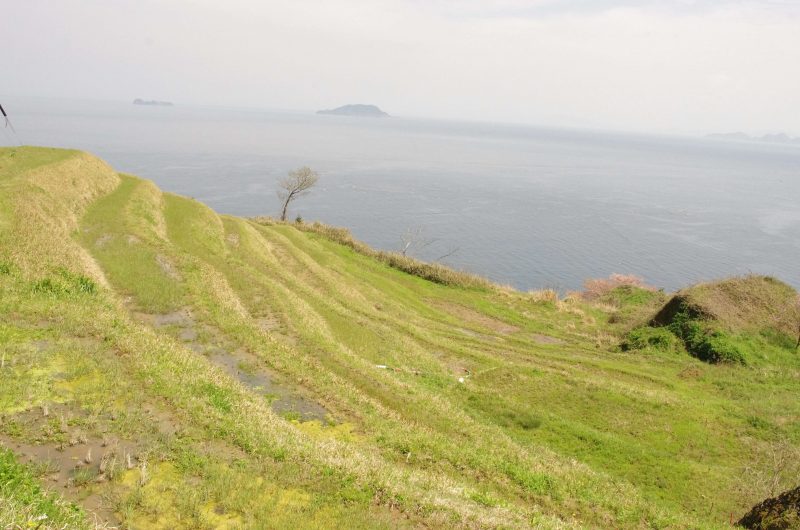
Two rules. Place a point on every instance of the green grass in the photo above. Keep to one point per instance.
(24, 503)
(552, 425)
(118, 244)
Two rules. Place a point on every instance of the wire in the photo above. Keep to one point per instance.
(10, 125)
(9, 138)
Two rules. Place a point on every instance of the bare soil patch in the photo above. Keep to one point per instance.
(103, 240)
(474, 317)
(546, 339)
(249, 371)
(168, 267)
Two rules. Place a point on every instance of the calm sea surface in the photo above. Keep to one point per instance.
(532, 207)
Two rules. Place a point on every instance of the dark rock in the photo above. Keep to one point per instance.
(777, 513)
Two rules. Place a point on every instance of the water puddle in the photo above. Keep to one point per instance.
(181, 320)
(74, 454)
(78, 469)
(247, 369)
(243, 366)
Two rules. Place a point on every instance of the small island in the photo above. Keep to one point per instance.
(152, 102)
(370, 111)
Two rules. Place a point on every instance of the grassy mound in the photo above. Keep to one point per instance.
(748, 303)
(737, 320)
(777, 513)
(164, 366)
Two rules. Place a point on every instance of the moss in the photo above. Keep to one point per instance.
(316, 429)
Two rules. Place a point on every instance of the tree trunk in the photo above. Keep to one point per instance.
(286, 204)
(285, 207)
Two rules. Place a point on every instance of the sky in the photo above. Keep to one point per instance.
(671, 66)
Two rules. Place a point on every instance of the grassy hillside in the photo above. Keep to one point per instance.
(164, 366)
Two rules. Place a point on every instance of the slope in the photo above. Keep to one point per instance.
(172, 367)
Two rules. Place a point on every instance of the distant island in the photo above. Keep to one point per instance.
(356, 110)
(778, 138)
(138, 101)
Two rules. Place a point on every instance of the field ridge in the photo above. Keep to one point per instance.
(223, 372)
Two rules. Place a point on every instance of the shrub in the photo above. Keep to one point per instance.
(780, 512)
(595, 288)
(717, 347)
(646, 338)
(705, 343)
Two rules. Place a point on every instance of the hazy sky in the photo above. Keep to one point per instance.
(671, 65)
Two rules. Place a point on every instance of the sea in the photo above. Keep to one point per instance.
(532, 207)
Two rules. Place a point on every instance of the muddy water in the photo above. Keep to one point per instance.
(247, 368)
(78, 469)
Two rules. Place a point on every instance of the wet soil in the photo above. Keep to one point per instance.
(246, 367)
(79, 468)
(75, 452)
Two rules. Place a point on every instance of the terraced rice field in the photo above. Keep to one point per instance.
(164, 366)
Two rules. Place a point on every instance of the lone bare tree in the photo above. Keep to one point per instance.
(296, 184)
(414, 240)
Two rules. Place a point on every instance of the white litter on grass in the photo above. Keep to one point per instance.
(381, 366)
(460, 379)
